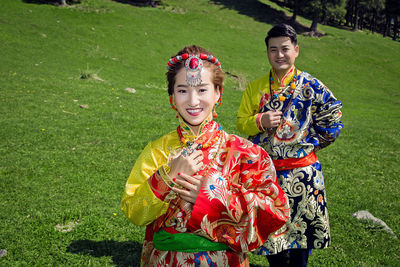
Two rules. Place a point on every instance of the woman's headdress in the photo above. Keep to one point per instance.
(193, 66)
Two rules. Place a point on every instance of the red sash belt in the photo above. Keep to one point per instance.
(293, 163)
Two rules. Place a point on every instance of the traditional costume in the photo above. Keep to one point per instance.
(310, 121)
(238, 206)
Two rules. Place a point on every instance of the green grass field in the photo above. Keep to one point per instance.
(63, 167)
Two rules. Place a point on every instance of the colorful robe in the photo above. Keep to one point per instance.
(239, 204)
(311, 121)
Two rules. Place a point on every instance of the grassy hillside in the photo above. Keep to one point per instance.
(63, 167)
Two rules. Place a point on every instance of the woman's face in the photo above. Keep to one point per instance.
(195, 104)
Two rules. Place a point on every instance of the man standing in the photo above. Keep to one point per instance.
(292, 115)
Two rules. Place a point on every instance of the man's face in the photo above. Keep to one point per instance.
(281, 54)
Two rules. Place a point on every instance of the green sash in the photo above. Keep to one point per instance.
(184, 242)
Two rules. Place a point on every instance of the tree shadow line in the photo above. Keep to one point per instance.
(139, 3)
(252, 8)
(261, 12)
(124, 254)
(50, 2)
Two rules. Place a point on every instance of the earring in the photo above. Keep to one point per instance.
(171, 101)
(220, 96)
(214, 113)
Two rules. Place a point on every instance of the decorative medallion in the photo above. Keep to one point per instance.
(285, 132)
(193, 66)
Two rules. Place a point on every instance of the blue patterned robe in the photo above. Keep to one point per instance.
(310, 122)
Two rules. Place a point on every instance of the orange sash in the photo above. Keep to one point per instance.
(293, 163)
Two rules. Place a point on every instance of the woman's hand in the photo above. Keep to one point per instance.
(188, 164)
(271, 119)
(190, 186)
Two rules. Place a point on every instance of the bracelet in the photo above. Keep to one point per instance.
(259, 123)
(163, 172)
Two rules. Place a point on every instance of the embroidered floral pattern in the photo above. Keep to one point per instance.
(239, 204)
(310, 123)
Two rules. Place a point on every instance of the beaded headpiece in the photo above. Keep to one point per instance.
(193, 66)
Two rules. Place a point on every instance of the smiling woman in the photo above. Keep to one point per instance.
(195, 104)
(206, 196)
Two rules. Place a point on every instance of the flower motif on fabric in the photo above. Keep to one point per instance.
(209, 258)
(286, 132)
(225, 233)
(215, 187)
(189, 261)
(318, 180)
(211, 152)
(244, 143)
(266, 161)
(220, 159)
(263, 101)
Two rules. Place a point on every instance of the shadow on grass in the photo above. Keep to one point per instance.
(261, 12)
(50, 2)
(122, 253)
(139, 3)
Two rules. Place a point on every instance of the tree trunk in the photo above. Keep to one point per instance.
(349, 13)
(373, 22)
(348, 16)
(324, 20)
(293, 18)
(355, 26)
(386, 31)
(395, 28)
(63, 2)
(356, 14)
(324, 13)
(314, 24)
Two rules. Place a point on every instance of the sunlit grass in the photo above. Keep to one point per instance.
(64, 166)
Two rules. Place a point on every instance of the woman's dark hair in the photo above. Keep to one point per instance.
(282, 30)
(218, 74)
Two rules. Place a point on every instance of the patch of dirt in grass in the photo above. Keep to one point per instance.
(65, 228)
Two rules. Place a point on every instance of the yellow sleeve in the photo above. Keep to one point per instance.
(139, 204)
(248, 110)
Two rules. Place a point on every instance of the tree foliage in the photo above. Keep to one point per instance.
(392, 12)
(381, 16)
(376, 15)
(320, 11)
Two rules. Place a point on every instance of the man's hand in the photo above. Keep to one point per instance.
(271, 119)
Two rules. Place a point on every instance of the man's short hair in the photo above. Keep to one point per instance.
(282, 30)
